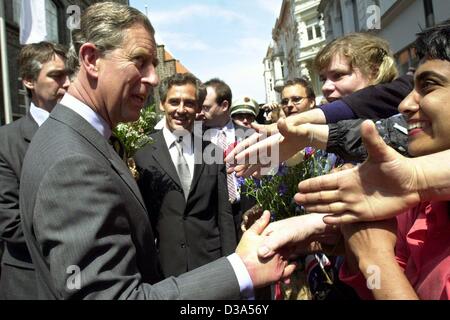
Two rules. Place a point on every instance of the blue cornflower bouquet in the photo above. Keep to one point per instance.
(276, 192)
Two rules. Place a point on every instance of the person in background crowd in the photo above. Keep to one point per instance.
(44, 75)
(244, 111)
(412, 252)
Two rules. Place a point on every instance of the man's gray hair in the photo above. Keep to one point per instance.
(103, 24)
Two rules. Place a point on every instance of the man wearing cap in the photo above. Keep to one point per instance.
(244, 111)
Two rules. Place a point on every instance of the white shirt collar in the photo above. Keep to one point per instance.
(170, 138)
(87, 114)
(213, 133)
(39, 115)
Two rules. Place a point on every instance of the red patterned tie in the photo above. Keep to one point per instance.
(232, 192)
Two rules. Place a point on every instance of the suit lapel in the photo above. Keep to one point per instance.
(93, 137)
(199, 165)
(162, 156)
(28, 127)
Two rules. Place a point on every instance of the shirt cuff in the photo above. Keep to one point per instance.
(243, 277)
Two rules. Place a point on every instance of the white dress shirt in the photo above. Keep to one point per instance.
(187, 146)
(38, 114)
(88, 114)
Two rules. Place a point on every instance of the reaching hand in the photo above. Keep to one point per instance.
(268, 147)
(295, 235)
(383, 186)
(262, 271)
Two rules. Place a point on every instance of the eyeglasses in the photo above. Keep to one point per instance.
(296, 100)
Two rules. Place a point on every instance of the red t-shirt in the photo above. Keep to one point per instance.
(422, 251)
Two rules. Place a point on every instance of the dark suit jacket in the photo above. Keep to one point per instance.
(189, 233)
(86, 225)
(17, 280)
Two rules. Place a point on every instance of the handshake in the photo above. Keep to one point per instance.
(268, 250)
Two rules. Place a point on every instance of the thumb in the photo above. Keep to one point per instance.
(283, 127)
(260, 224)
(377, 149)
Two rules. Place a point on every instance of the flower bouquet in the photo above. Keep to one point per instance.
(276, 193)
(134, 136)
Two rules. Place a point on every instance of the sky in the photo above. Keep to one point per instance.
(227, 39)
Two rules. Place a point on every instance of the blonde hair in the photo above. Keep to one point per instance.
(369, 53)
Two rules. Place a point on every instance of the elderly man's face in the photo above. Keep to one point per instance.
(126, 75)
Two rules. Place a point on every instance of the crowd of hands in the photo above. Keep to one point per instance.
(356, 204)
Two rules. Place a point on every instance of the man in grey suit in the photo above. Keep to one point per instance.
(43, 72)
(84, 218)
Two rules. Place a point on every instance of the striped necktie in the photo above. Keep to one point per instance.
(231, 184)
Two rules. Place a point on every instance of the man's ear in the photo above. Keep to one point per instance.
(225, 105)
(89, 58)
(161, 107)
(28, 83)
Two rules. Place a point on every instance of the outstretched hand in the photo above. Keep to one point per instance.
(263, 271)
(296, 235)
(268, 147)
(382, 187)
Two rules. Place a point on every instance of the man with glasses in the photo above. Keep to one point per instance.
(297, 96)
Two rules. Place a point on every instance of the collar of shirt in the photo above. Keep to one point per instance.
(39, 115)
(187, 147)
(213, 133)
(87, 114)
(170, 138)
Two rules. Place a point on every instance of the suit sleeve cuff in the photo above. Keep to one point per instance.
(243, 277)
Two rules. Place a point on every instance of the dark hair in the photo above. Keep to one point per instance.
(223, 91)
(181, 79)
(434, 43)
(34, 55)
(302, 82)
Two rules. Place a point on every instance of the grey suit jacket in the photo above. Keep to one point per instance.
(86, 225)
(17, 280)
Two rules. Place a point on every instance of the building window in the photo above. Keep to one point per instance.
(314, 31)
(52, 21)
(318, 31)
(310, 33)
(51, 18)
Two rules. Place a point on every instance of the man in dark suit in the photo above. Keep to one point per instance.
(221, 130)
(193, 223)
(83, 216)
(43, 72)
